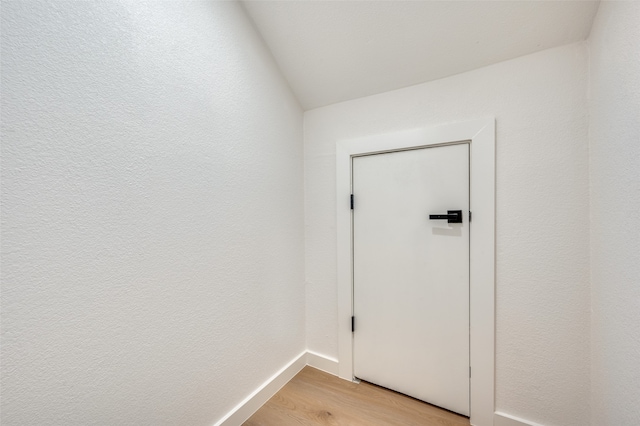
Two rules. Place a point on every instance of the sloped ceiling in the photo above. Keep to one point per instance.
(332, 51)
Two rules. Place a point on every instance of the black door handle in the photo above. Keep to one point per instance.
(452, 216)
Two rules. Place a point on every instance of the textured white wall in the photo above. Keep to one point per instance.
(614, 138)
(542, 245)
(152, 229)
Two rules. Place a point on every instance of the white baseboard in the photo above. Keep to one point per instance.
(321, 362)
(260, 396)
(502, 419)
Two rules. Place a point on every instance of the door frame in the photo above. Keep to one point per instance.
(481, 137)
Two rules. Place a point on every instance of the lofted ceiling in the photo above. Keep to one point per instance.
(332, 51)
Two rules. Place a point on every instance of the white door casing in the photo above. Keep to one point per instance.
(411, 273)
(480, 135)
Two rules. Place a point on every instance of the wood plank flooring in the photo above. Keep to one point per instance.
(313, 397)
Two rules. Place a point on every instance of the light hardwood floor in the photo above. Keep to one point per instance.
(313, 397)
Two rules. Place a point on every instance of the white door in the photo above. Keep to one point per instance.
(411, 273)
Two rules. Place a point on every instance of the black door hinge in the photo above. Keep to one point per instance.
(469, 216)
(353, 324)
(351, 201)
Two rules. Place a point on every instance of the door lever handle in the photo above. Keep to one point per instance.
(452, 216)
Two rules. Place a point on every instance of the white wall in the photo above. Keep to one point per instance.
(152, 229)
(614, 136)
(539, 101)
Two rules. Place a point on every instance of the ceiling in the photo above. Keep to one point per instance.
(332, 51)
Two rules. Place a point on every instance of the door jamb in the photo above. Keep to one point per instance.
(481, 134)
